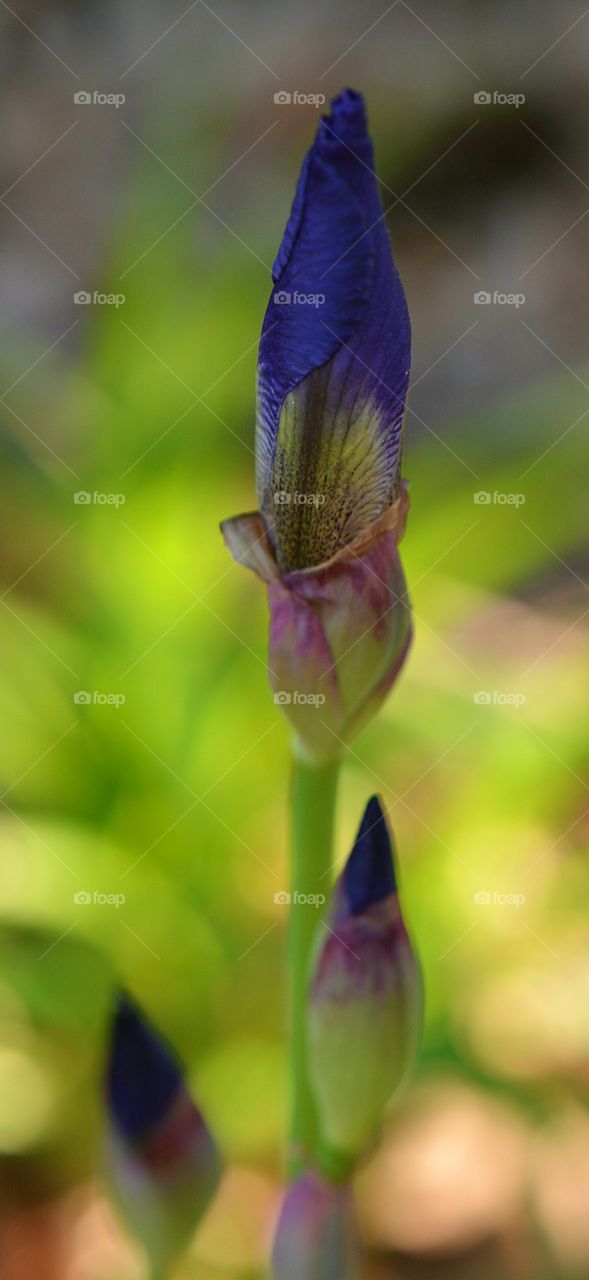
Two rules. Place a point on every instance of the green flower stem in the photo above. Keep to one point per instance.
(313, 795)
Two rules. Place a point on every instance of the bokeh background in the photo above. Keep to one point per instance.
(171, 794)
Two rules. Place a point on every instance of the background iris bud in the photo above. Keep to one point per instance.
(162, 1162)
(365, 1007)
(316, 1237)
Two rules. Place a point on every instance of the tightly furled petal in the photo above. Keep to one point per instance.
(316, 1237)
(143, 1078)
(339, 634)
(369, 873)
(334, 354)
(161, 1160)
(365, 1000)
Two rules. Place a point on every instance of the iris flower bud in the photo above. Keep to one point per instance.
(316, 1237)
(162, 1162)
(333, 371)
(365, 1004)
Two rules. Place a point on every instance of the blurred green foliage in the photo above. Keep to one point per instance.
(176, 798)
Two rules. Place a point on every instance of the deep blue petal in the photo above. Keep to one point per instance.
(335, 248)
(369, 874)
(143, 1075)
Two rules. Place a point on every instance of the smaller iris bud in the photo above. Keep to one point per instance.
(316, 1237)
(161, 1160)
(365, 1007)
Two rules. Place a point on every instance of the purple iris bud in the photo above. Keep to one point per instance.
(161, 1159)
(143, 1076)
(332, 381)
(365, 1007)
(316, 1237)
(334, 353)
(369, 874)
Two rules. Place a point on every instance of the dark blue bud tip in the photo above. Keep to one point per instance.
(369, 874)
(143, 1075)
(346, 120)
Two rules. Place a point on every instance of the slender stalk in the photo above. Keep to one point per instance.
(313, 795)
